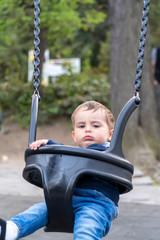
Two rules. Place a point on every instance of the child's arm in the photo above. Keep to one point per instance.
(35, 145)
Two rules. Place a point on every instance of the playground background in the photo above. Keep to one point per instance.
(14, 139)
(139, 210)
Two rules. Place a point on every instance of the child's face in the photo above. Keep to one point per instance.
(91, 127)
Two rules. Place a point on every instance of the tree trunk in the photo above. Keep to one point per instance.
(141, 136)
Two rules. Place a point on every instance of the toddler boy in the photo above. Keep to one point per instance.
(95, 201)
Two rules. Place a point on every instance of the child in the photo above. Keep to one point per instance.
(94, 201)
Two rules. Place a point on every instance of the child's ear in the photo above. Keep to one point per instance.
(73, 135)
(110, 135)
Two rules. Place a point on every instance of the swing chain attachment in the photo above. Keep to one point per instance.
(141, 47)
(36, 82)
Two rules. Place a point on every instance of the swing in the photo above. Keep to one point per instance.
(57, 168)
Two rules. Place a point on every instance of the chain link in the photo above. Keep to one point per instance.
(36, 82)
(141, 46)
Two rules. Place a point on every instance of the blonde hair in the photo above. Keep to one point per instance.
(93, 105)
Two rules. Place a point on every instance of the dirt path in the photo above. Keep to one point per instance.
(14, 140)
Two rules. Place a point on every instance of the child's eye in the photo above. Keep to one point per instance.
(81, 126)
(96, 125)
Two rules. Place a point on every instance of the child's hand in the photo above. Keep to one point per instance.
(35, 145)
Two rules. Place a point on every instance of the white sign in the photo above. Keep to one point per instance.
(54, 68)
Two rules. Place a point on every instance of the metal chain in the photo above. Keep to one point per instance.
(36, 82)
(141, 46)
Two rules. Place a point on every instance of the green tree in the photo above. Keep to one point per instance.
(15, 39)
(60, 21)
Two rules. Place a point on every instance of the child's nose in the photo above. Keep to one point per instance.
(88, 128)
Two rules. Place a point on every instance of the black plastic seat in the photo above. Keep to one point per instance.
(57, 168)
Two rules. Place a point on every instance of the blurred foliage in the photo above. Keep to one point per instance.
(154, 23)
(71, 29)
(62, 22)
(58, 98)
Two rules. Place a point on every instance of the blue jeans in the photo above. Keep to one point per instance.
(94, 213)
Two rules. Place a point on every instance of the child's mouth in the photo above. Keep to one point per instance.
(88, 138)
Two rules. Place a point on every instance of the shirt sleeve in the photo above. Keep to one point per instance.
(51, 142)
